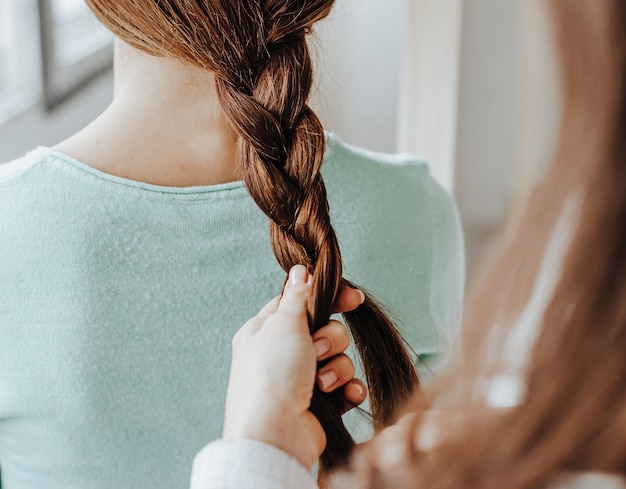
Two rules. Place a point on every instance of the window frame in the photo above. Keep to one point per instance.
(62, 82)
(27, 92)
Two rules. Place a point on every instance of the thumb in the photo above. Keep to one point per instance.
(295, 296)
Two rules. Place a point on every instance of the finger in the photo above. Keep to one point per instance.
(348, 300)
(355, 393)
(293, 302)
(331, 340)
(335, 373)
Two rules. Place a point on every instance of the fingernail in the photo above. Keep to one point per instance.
(362, 296)
(360, 389)
(328, 378)
(298, 275)
(322, 346)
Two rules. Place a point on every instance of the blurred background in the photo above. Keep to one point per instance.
(468, 85)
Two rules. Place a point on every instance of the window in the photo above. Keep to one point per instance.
(7, 61)
(18, 56)
(77, 34)
(49, 48)
(75, 48)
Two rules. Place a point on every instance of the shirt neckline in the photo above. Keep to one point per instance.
(80, 168)
(89, 174)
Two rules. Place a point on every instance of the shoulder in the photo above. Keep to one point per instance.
(346, 163)
(15, 169)
(339, 151)
(402, 238)
(375, 186)
(27, 185)
(398, 185)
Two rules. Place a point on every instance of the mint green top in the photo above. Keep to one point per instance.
(119, 299)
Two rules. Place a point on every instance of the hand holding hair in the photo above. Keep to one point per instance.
(275, 367)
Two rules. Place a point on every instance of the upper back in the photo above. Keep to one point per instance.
(119, 299)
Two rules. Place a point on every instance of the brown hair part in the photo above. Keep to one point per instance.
(259, 55)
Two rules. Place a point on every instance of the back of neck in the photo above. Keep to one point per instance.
(165, 126)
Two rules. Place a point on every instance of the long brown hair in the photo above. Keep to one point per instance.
(572, 413)
(258, 53)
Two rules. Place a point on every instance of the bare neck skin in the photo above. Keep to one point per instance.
(165, 126)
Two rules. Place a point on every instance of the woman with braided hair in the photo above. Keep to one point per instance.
(132, 251)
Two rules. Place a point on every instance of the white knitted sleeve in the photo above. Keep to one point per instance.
(247, 464)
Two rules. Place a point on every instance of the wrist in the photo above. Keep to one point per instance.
(269, 427)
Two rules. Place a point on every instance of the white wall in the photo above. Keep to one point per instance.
(358, 57)
(461, 83)
(488, 112)
(479, 102)
(430, 85)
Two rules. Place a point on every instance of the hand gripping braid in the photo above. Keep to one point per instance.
(281, 145)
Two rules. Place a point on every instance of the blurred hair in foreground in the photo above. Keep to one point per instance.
(571, 414)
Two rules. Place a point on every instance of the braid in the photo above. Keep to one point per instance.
(281, 143)
(281, 149)
(258, 53)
